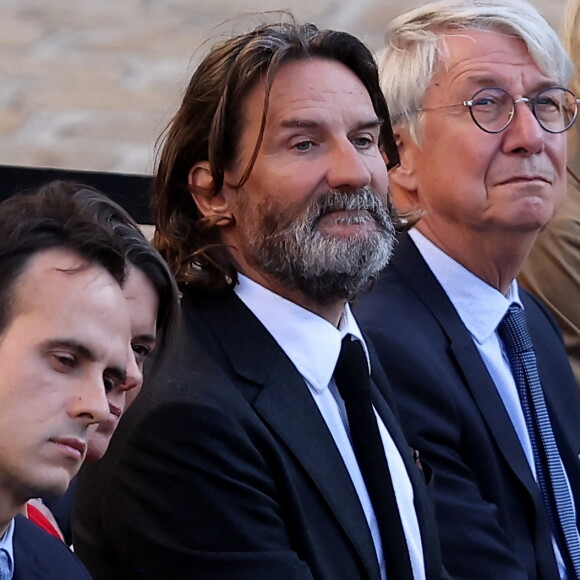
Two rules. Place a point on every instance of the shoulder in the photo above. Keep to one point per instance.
(40, 555)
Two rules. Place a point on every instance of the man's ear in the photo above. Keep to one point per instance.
(403, 177)
(201, 185)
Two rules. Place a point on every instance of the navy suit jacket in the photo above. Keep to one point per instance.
(40, 556)
(492, 522)
(224, 468)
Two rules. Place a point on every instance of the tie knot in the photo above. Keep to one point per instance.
(513, 330)
(351, 373)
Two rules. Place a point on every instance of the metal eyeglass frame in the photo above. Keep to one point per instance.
(530, 102)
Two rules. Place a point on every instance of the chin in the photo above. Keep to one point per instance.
(533, 224)
(53, 487)
(537, 214)
(531, 219)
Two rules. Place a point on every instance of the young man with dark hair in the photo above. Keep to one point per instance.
(64, 339)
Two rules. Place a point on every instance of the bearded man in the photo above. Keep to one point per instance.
(243, 460)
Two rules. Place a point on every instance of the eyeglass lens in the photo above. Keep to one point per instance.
(555, 109)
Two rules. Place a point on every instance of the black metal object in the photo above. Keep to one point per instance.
(133, 192)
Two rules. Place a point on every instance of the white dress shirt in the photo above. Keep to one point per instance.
(6, 544)
(481, 308)
(313, 346)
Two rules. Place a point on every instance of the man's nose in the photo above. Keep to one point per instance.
(348, 168)
(90, 401)
(134, 377)
(524, 134)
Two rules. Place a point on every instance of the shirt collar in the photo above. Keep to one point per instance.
(480, 306)
(309, 341)
(6, 543)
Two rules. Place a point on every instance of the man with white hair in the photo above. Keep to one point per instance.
(477, 98)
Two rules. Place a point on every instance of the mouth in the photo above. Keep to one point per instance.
(347, 216)
(540, 179)
(345, 222)
(75, 448)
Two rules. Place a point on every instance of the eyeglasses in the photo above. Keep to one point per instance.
(493, 109)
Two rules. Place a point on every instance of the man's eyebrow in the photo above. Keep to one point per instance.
(372, 124)
(309, 124)
(291, 123)
(145, 338)
(86, 353)
(78, 347)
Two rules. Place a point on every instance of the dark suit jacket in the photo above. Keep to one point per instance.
(40, 556)
(225, 469)
(492, 521)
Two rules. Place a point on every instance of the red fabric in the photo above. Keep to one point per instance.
(36, 516)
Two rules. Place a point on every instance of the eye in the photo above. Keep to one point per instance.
(490, 99)
(487, 101)
(484, 101)
(142, 351)
(548, 103)
(111, 383)
(63, 362)
(303, 145)
(363, 141)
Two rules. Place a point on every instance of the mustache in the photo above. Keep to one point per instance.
(304, 221)
(363, 199)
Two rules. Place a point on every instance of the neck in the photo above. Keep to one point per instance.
(331, 312)
(8, 510)
(496, 259)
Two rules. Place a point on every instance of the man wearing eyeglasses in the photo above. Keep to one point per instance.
(483, 384)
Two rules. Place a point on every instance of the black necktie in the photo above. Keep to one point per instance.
(513, 331)
(353, 382)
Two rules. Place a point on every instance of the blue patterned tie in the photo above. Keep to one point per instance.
(5, 573)
(513, 331)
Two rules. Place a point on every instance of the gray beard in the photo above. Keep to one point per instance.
(323, 267)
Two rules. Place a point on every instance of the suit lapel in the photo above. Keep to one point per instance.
(287, 407)
(559, 389)
(413, 268)
(28, 564)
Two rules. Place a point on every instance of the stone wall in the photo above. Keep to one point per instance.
(91, 84)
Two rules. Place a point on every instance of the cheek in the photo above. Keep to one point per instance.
(467, 170)
(457, 151)
(380, 176)
(557, 151)
(98, 442)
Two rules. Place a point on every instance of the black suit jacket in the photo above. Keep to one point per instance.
(40, 556)
(224, 468)
(492, 521)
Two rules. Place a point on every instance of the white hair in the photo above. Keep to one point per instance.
(414, 47)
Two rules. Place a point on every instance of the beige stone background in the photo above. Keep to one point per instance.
(90, 84)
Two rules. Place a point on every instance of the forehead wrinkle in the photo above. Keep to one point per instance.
(509, 66)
